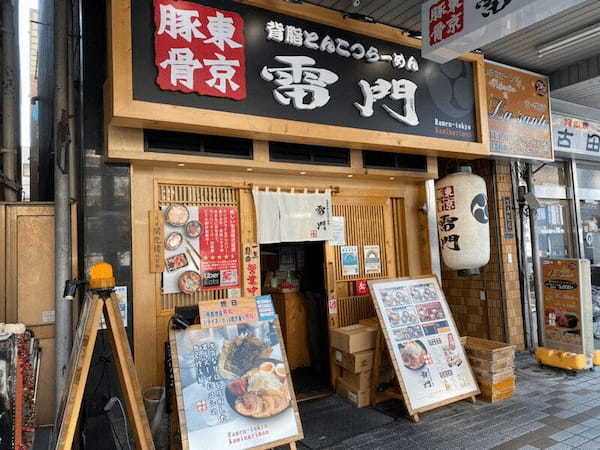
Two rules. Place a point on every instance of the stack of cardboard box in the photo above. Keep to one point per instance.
(353, 352)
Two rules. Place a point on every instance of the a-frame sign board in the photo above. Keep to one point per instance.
(81, 357)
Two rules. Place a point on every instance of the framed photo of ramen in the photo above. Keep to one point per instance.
(233, 387)
(428, 357)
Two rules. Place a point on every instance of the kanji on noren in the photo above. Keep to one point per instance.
(199, 49)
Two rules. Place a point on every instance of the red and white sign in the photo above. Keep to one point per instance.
(361, 287)
(199, 49)
(219, 247)
(451, 28)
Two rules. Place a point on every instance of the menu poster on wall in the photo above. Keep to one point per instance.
(233, 387)
(219, 247)
(518, 113)
(180, 249)
(424, 344)
(349, 258)
(338, 231)
(567, 305)
(372, 259)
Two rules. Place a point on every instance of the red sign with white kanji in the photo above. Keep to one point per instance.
(361, 287)
(219, 247)
(199, 49)
(446, 18)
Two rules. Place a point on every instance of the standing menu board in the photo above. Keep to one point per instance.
(568, 305)
(425, 347)
(233, 385)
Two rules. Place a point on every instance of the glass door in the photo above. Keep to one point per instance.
(588, 197)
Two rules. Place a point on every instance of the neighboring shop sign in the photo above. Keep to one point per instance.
(451, 28)
(575, 137)
(233, 387)
(567, 305)
(227, 56)
(219, 247)
(423, 341)
(518, 113)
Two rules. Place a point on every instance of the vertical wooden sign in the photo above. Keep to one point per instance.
(156, 225)
(251, 273)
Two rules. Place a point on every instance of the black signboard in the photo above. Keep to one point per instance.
(410, 95)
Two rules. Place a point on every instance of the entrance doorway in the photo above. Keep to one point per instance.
(294, 276)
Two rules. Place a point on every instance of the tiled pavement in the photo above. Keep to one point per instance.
(551, 409)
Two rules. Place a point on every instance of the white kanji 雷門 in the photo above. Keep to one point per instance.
(300, 84)
(222, 30)
(183, 64)
(222, 72)
(180, 23)
(397, 90)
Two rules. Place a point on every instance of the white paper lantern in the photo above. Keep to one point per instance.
(463, 221)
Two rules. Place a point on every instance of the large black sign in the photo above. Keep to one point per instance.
(357, 81)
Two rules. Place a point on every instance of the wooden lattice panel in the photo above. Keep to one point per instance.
(353, 309)
(195, 195)
(365, 225)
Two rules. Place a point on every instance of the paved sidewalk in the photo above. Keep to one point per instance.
(552, 409)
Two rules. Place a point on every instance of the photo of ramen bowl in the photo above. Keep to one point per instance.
(413, 354)
(177, 215)
(260, 393)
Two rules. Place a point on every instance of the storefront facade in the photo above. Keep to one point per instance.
(372, 139)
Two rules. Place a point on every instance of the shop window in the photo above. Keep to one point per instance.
(394, 161)
(309, 154)
(197, 144)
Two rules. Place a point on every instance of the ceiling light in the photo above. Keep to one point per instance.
(350, 176)
(180, 164)
(249, 169)
(392, 178)
(567, 41)
(303, 173)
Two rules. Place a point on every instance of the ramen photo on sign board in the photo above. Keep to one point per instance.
(424, 344)
(233, 387)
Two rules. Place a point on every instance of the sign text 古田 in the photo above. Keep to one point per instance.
(283, 67)
(574, 136)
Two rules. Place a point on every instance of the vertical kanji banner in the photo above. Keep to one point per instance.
(219, 247)
(199, 49)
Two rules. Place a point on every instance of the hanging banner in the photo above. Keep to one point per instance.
(293, 216)
(266, 204)
(451, 28)
(423, 341)
(305, 217)
(233, 387)
(219, 247)
(372, 259)
(349, 259)
(575, 137)
(567, 305)
(518, 113)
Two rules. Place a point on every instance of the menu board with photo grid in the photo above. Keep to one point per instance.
(424, 344)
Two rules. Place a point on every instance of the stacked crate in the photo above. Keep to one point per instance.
(493, 364)
(353, 352)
